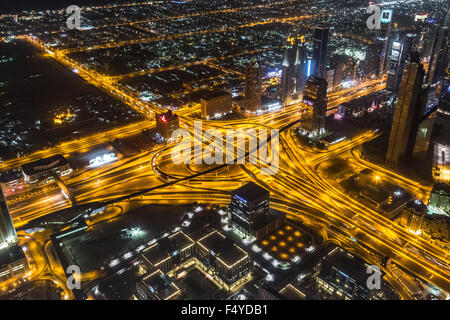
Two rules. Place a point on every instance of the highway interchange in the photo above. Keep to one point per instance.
(297, 188)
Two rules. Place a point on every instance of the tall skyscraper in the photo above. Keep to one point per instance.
(439, 53)
(315, 96)
(294, 68)
(399, 54)
(372, 61)
(384, 36)
(426, 40)
(320, 48)
(301, 63)
(288, 74)
(407, 115)
(253, 86)
(8, 235)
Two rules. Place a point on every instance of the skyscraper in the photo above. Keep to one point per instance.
(320, 48)
(407, 115)
(301, 63)
(294, 68)
(439, 53)
(8, 235)
(253, 86)
(315, 96)
(399, 54)
(384, 35)
(372, 61)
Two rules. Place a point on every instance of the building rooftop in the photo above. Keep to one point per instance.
(44, 164)
(160, 285)
(169, 115)
(11, 255)
(215, 94)
(251, 191)
(167, 247)
(9, 176)
(346, 263)
(292, 293)
(224, 249)
(439, 186)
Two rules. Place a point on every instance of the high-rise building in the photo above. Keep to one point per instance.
(407, 115)
(400, 52)
(320, 48)
(293, 69)
(423, 139)
(249, 212)
(166, 124)
(315, 96)
(384, 36)
(253, 86)
(287, 75)
(439, 54)
(426, 40)
(372, 62)
(301, 63)
(8, 235)
(249, 207)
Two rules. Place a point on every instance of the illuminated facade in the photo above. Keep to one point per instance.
(249, 208)
(315, 96)
(408, 112)
(400, 52)
(166, 124)
(214, 255)
(294, 69)
(8, 235)
(157, 286)
(230, 263)
(439, 201)
(253, 86)
(320, 49)
(13, 263)
(169, 252)
(343, 276)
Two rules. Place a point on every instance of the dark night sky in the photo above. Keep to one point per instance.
(12, 6)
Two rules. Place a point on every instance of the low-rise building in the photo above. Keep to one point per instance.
(169, 252)
(156, 286)
(13, 263)
(34, 171)
(224, 258)
(216, 104)
(11, 181)
(344, 276)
